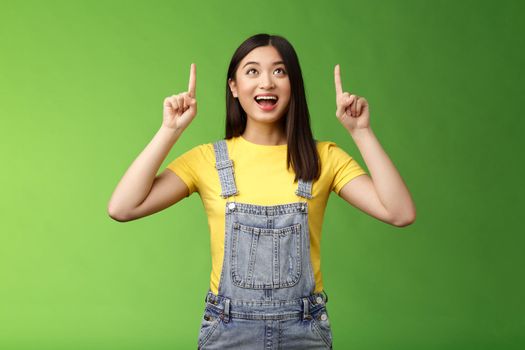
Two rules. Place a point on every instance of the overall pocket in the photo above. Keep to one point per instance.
(209, 323)
(321, 325)
(265, 257)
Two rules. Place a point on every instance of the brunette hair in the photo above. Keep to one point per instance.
(302, 151)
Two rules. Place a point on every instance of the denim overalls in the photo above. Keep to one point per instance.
(265, 298)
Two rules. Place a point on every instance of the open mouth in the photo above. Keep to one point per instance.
(266, 101)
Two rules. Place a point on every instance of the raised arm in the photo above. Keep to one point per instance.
(140, 192)
(384, 195)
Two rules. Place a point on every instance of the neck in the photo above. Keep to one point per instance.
(264, 134)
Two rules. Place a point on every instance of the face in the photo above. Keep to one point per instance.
(262, 72)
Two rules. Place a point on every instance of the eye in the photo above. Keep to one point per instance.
(284, 72)
(249, 70)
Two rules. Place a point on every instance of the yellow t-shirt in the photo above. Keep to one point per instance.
(261, 178)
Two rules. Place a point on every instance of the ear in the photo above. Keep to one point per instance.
(233, 87)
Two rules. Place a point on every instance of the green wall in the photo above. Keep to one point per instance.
(81, 91)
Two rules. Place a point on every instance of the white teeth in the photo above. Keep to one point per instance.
(266, 98)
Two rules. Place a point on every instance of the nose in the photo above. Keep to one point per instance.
(266, 81)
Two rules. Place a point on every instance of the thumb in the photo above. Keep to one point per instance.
(345, 101)
(190, 101)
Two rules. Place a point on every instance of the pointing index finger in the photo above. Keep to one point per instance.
(193, 80)
(337, 76)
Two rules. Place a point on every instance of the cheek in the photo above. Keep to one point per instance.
(287, 99)
(246, 102)
(245, 97)
(288, 93)
(245, 92)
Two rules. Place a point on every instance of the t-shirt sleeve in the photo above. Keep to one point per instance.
(344, 167)
(186, 165)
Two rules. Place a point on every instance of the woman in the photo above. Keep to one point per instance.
(265, 188)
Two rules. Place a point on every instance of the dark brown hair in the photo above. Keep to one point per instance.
(302, 151)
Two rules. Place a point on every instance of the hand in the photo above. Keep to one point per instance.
(179, 110)
(352, 110)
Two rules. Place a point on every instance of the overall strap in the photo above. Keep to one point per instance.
(304, 188)
(224, 166)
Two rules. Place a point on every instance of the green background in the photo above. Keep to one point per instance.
(81, 91)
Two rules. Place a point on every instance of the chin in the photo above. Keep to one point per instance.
(267, 117)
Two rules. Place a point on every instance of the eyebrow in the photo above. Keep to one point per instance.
(252, 62)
